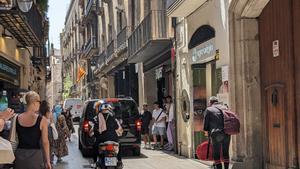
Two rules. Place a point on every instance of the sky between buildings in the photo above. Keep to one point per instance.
(57, 13)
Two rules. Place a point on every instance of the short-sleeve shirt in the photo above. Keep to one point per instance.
(155, 114)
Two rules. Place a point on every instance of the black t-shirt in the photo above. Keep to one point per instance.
(146, 118)
(111, 125)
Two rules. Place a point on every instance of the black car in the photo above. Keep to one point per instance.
(85, 142)
(126, 112)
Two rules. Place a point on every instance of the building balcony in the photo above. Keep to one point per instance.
(90, 6)
(122, 42)
(183, 8)
(26, 27)
(73, 89)
(110, 52)
(90, 48)
(100, 63)
(149, 38)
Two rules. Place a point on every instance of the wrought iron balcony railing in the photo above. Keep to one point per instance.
(90, 48)
(111, 48)
(122, 37)
(153, 27)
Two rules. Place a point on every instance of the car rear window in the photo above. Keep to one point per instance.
(125, 109)
(72, 102)
(90, 111)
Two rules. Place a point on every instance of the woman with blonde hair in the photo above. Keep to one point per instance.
(32, 129)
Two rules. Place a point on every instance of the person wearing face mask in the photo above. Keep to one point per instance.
(32, 129)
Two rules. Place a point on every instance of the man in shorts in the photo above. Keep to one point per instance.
(159, 126)
(146, 118)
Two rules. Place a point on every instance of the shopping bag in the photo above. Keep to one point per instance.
(6, 152)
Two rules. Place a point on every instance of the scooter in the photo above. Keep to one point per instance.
(108, 152)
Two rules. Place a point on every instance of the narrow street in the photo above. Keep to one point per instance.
(148, 160)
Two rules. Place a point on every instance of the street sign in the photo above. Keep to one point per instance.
(275, 48)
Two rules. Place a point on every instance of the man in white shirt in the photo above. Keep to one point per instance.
(159, 126)
(171, 123)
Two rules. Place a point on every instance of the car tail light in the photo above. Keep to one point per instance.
(138, 124)
(85, 126)
(110, 147)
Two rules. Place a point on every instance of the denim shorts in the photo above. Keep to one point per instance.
(159, 130)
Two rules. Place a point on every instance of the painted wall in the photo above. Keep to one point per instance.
(213, 13)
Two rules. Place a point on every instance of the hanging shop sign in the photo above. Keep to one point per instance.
(158, 73)
(204, 52)
(9, 72)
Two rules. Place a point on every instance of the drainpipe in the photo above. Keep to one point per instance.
(173, 59)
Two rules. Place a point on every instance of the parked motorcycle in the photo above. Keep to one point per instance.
(108, 152)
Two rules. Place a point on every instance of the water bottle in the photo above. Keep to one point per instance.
(3, 101)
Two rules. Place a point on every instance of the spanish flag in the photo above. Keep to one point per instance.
(80, 74)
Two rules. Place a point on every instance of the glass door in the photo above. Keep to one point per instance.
(199, 102)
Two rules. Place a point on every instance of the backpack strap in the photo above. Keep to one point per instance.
(159, 115)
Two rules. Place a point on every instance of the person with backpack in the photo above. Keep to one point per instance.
(159, 126)
(214, 125)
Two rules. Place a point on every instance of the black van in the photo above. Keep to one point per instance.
(126, 111)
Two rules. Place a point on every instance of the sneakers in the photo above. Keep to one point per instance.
(93, 165)
(169, 148)
(166, 146)
(119, 165)
(147, 146)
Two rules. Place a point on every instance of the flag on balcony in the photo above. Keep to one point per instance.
(81, 73)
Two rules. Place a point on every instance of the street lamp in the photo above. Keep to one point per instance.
(25, 5)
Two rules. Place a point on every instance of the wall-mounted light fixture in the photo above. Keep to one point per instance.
(21, 47)
(6, 36)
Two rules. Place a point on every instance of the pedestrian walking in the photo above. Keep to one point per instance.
(214, 125)
(69, 121)
(52, 132)
(171, 123)
(146, 118)
(32, 129)
(159, 126)
(61, 148)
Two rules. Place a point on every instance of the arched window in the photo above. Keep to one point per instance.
(202, 34)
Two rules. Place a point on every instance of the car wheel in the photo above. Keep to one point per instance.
(136, 152)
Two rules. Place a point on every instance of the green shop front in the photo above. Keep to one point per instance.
(208, 78)
(10, 82)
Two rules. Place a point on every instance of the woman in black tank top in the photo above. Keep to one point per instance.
(32, 130)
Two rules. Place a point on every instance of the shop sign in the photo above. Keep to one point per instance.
(225, 73)
(205, 52)
(158, 73)
(9, 71)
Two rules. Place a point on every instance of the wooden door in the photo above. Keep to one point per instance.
(278, 85)
(275, 99)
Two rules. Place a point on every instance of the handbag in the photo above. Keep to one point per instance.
(13, 136)
(6, 152)
(54, 131)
